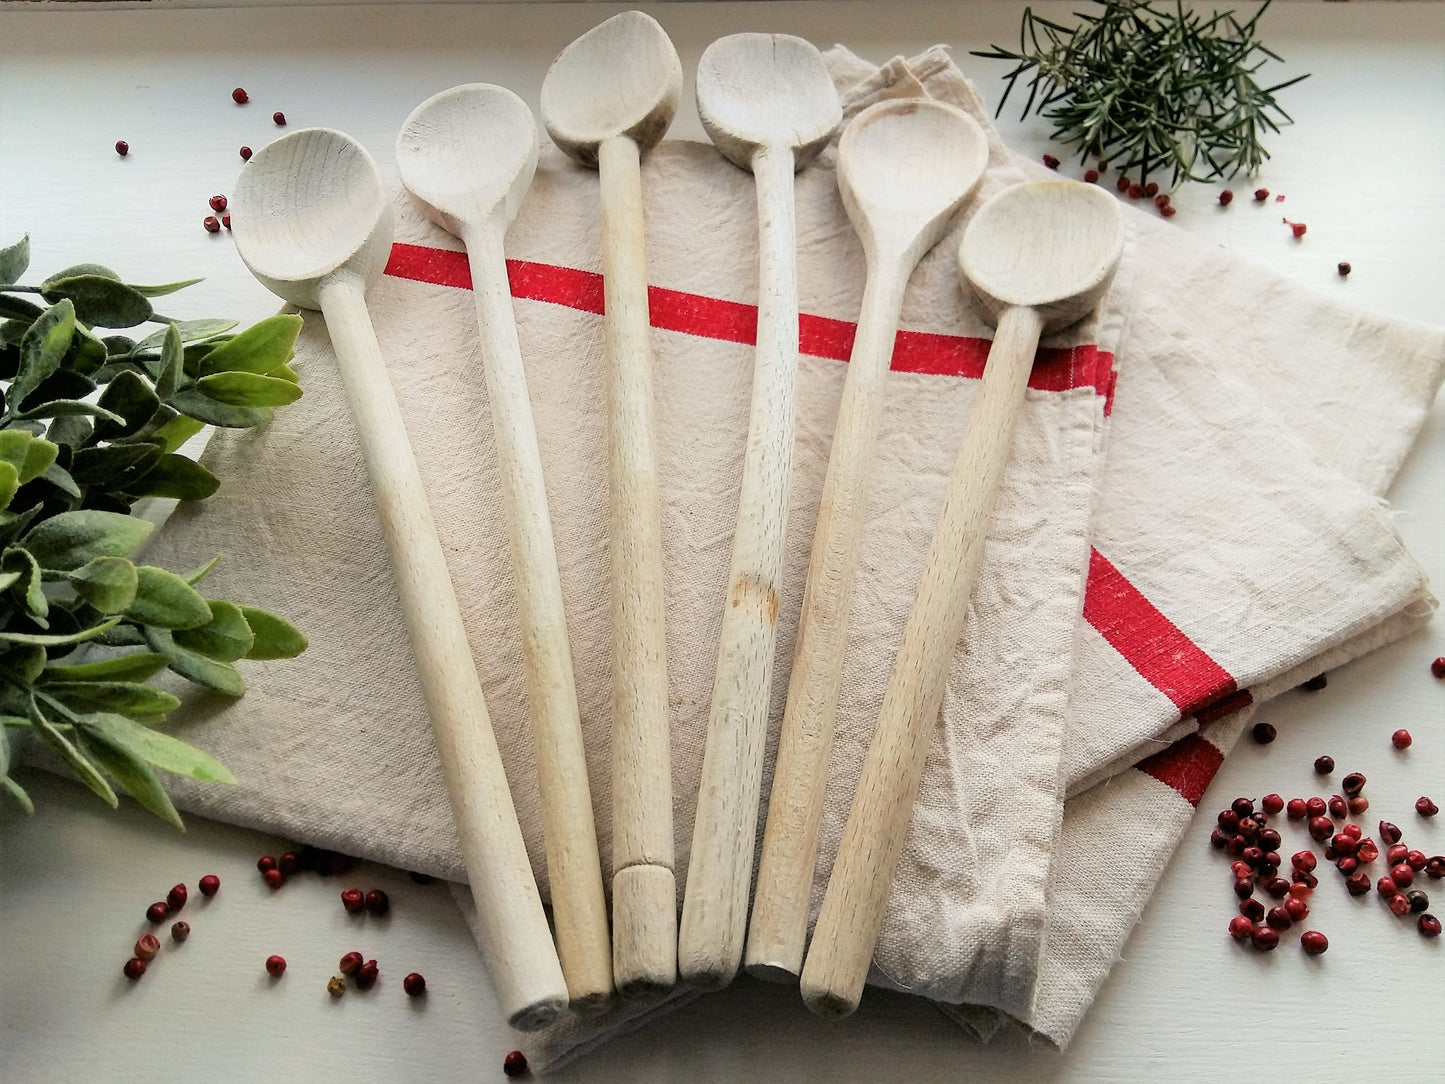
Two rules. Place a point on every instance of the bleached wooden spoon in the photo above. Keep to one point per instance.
(1037, 258)
(312, 222)
(768, 103)
(609, 96)
(468, 154)
(905, 169)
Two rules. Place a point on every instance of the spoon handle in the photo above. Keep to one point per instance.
(516, 944)
(715, 910)
(574, 872)
(644, 894)
(848, 924)
(785, 874)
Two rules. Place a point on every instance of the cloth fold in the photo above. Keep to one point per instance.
(1169, 548)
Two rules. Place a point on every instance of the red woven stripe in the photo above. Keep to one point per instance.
(1222, 709)
(1188, 765)
(732, 321)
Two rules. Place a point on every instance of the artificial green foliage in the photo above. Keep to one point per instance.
(1150, 87)
(92, 421)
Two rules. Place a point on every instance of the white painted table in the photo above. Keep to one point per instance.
(1362, 167)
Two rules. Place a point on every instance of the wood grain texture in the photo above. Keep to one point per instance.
(1051, 250)
(469, 154)
(904, 170)
(767, 102)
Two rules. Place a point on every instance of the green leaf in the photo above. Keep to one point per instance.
(126, 697)
(14, 260)
(190, 331)
(17, 792)
(205, 409)
(177, 431)
(131, 666)
(107, 583)
(164, 288)
(259, 349)
(7, 578)
(164, 600)
(195, 576)
(130, 397)
(276, 638)
(24, 662)
(60, 478)
(23, 561)
(18, 308)
(121, 636)
(118, 344)
(82, 269)
(132, 773)
(285, 372)
(71, 539)
(249, 389)
(160, 749)
(9, 482)
(39, 457)
(221, 676)
(12, 332)
(178, 477)
(43, 349)
(172, 362)
(71, 430)
(99, 301)
(84, 770)
(87, 353)
(226, 638)
(102, 466)
(6, 636)
(61, 408)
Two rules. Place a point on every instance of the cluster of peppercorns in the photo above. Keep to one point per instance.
(374, 902)
(148, 944)
(274, 871)
(213, 224)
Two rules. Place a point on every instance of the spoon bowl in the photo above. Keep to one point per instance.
(1051, 246)
(467, 152)
(899, 170)
(306, 207)
(766, 90)
(622, 77)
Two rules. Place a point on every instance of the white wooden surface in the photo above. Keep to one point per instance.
(1362, 167)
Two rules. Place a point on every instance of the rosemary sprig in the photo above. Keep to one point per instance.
(1150, 88)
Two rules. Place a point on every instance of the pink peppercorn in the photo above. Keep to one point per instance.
(147, 945)
(1416, 860)
(515, 1064)
(218, 203)
(1367, 851)
(414, 985)
(1272, 803)
(1401, 739)
(1278, 918)
(1428, 925)
(181, 930)
(1386, 886)
(1299, 891)
(176, 898)
(1244, 889)
(1136, 191)
(265, 862)
(122, 148)
(211, 223)
(226, 221)
(1051, 161)
(1399, 905)
(157, 912)
(1219, 839)
(279, 119)
(1241, 869)
(1435, 866)
(1358, 804)
(1389, 833)
(1123, 184)
(1252, 909)
(239, 96)
(1265, 938)
(1358, 883)
(1425, 807)
(1396, 853)
(1261, 194)
(1347, 864)
(134, 968)
(1402, 875)
(1226, 198)
(1091, 175)
(1229, 820)
(1438, 667)
(1354, 831)
(274, 878)
(377, 902)
(1316, 807)
(1304, 860)
(1321, 828)
(1269, 839)
(1277, 887)
(246, 154)
(351, 963)
(1296, 228)
(1313, 942)
(353, 899)
(368, 973)
(1297, 909)
(1337, 806)
(1344, 268)
(1168, 210)
(1343, 844)
(1296, 809)
(1151, 189)
(1352, 784)
(1309, 880)
(210, 885)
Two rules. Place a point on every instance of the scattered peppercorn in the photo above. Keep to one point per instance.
(1389, 833)
(1428, 925)
(377, 903)
(1296, 809)
(1278, 919)
(1321, 828)
(212, 224)
(1091, 175)
(134, 968)
(1416, 860)
(279, 118)
(1347, 864)
(1277, 887)
(1419, 901)
(1438, 667)
(353, 899)
(1401, 739)
(367, 975)
(1265, 938)
(1324, 765)
(336, 986)
(1151, 189)
(1049, 159)
(515, 1063)
(1352, 784)
(275, 966)
(180, 931)
(1240, 927)
(1264, 733)
(1402, 875)
(1367, 851)
(1358, 804)
(1337, 806)
(1316, 807)
(415, 985)
(1296, 228)
(288, 863)
(1162, 200)
(1316, 683)
(1304, 860)
(246, 154)
(1252, 909)
(1358, 883)
(1399, 905)
(351, 963)
(1261, 194)
(147, 945)
(1219, 839)
(157, 912)
(176, 898)
(1425, 807)
(210, 885)
(1344, 268)
(239, 96)
(265, 862)
(1343, 844)
(1386, 886)
(274, 877)
(1435, 866)
(1313, 942)
(1226, 198)
(218, 203)
(1297, 909)
(1242, 807)
(1270, 840)
(1309, 880)
(226, 221)
(1136, 191)
(1396, 853)
(1123, 183)
(1272, 804)
(122, 148)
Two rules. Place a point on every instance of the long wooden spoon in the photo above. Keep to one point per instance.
(905, 169)
(312, 222)
(767, 102)
(468, 154)
(610, 95)
(1038, 257)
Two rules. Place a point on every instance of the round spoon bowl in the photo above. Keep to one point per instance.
(906, 167)
(466, 152)
(307, 206)
(1051, 246)
(766, 90)
(622, 77)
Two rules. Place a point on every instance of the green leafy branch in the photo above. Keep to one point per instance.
(89, 425)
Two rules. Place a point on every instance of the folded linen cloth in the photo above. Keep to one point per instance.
(1231, 550)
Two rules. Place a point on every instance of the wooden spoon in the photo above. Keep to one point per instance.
(1038, 257)
(468, 154)
(610, 95)
(768, 103)
(905, 169)
(312, 222)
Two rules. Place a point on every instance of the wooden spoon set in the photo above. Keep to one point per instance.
(312, 222)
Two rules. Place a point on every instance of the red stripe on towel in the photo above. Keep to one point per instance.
(1188, 766)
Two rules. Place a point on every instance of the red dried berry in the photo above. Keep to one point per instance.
(1313, 942)
(1244, 888)
(1352, 784)
(265, 862)
(1264, 733)
(414, 985)
(1435, 866)
(1399, 905)
(1226, 198)
(1343, 267)
(351, 963)
(1219, 839)
(1343, 844)
(353, 899)
(1103, 166)
(1316, 807)
(1389, 833)
(1354, 831)
(274, 877)
(1123, 184)
(1296, 809)
(367, 974)
(1386, 886)
(1277, 887)
(1367, 851)
(275, 966)
(1324, 765)
(279, 118)
(1309, 880)
(1091, 175)
(1228, 819)
(1401, 739)
(1261, 194)
(288, 863)
(226, 221)
(1235, 846)
(515, 1064)
(1358, 804)
(1396, 853)
(158, 912)
(377, 902)
(1162, 200)
(1358, 883)
(1402, 875)
(1272, 804)
(134, 968)
(1438, 667)
(1418, 900)
(176, 898)
(210, 885)
(246, 154)
(1051, 161)
(122, 148)
(1428, 925)
(1252, 909)
(1264, 938)
(1338, 808)
(1297, 909)
(212, 224)
(147, 945)
(1321, 828)
(1416, 860)
(1169, 210)
(1347, 864)
(239, 96)
(218, 203)
(1296, 228)
(1254, 856)
(1278, 919)
(181, 930)
(1315, 684)
(1242, 807)
(1270, 840)
(1151, 189)
(1425, 807)
(1136, 191)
